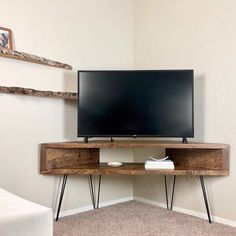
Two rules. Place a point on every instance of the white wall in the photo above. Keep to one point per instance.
(151, 34)
(199, 35)
(86, 34)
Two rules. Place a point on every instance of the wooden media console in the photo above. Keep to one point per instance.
(83, 158)
(80, 158)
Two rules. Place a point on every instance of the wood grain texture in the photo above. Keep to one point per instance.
(189, 159)
(4, 52)
(130, 169)
(43, 150)
(136, 144)
(202, 159)
(66, 158)
(38, 93)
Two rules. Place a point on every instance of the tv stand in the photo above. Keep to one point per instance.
(80, 158)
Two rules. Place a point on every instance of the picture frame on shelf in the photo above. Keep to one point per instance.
(5, 38)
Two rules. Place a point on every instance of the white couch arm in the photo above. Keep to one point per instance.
(19, 217)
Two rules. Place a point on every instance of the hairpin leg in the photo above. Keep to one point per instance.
(63, 186)
(91, 185)
(99, 188)
(167, 204)
(92, 190)
(173, 193)
(205, 198)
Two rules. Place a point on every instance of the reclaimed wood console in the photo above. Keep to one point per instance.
(194, 159)
(83, 158)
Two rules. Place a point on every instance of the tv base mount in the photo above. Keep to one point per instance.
(184, 140)
(87, 138)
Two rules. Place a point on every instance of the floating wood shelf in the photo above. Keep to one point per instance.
(4, 52)
(38, 93)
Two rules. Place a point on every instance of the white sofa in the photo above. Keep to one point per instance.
(19, 217)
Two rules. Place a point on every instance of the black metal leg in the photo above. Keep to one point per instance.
(167, 204)
(99, 188)
(173, 193)
(92, 191)
(61, 195)
(205, 197)
(91, 185)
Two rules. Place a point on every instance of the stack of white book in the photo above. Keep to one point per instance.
(164, 163)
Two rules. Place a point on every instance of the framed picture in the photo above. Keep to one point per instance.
(5, 38)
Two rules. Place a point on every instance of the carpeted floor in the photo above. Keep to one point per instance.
(137, 219)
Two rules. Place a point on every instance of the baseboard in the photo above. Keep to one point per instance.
(90, 207)
(188, 212)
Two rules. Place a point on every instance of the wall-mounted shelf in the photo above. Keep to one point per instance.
(38, 93)
(4, 52)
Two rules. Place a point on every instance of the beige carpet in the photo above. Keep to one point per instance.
(136, 218)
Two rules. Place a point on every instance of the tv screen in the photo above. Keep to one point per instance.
(148, 103)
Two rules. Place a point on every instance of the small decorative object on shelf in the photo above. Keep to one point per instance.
(4, 52)
(5, 38)
(38, 93)
(114, 163)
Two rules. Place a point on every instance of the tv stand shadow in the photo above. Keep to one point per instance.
(79, 158)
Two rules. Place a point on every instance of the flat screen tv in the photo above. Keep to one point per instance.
(135, 103)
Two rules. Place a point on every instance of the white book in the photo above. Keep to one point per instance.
(157, 161)
(166, 162)
(160, 168)
(158, 165)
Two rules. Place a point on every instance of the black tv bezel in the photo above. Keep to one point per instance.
(135, 136)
